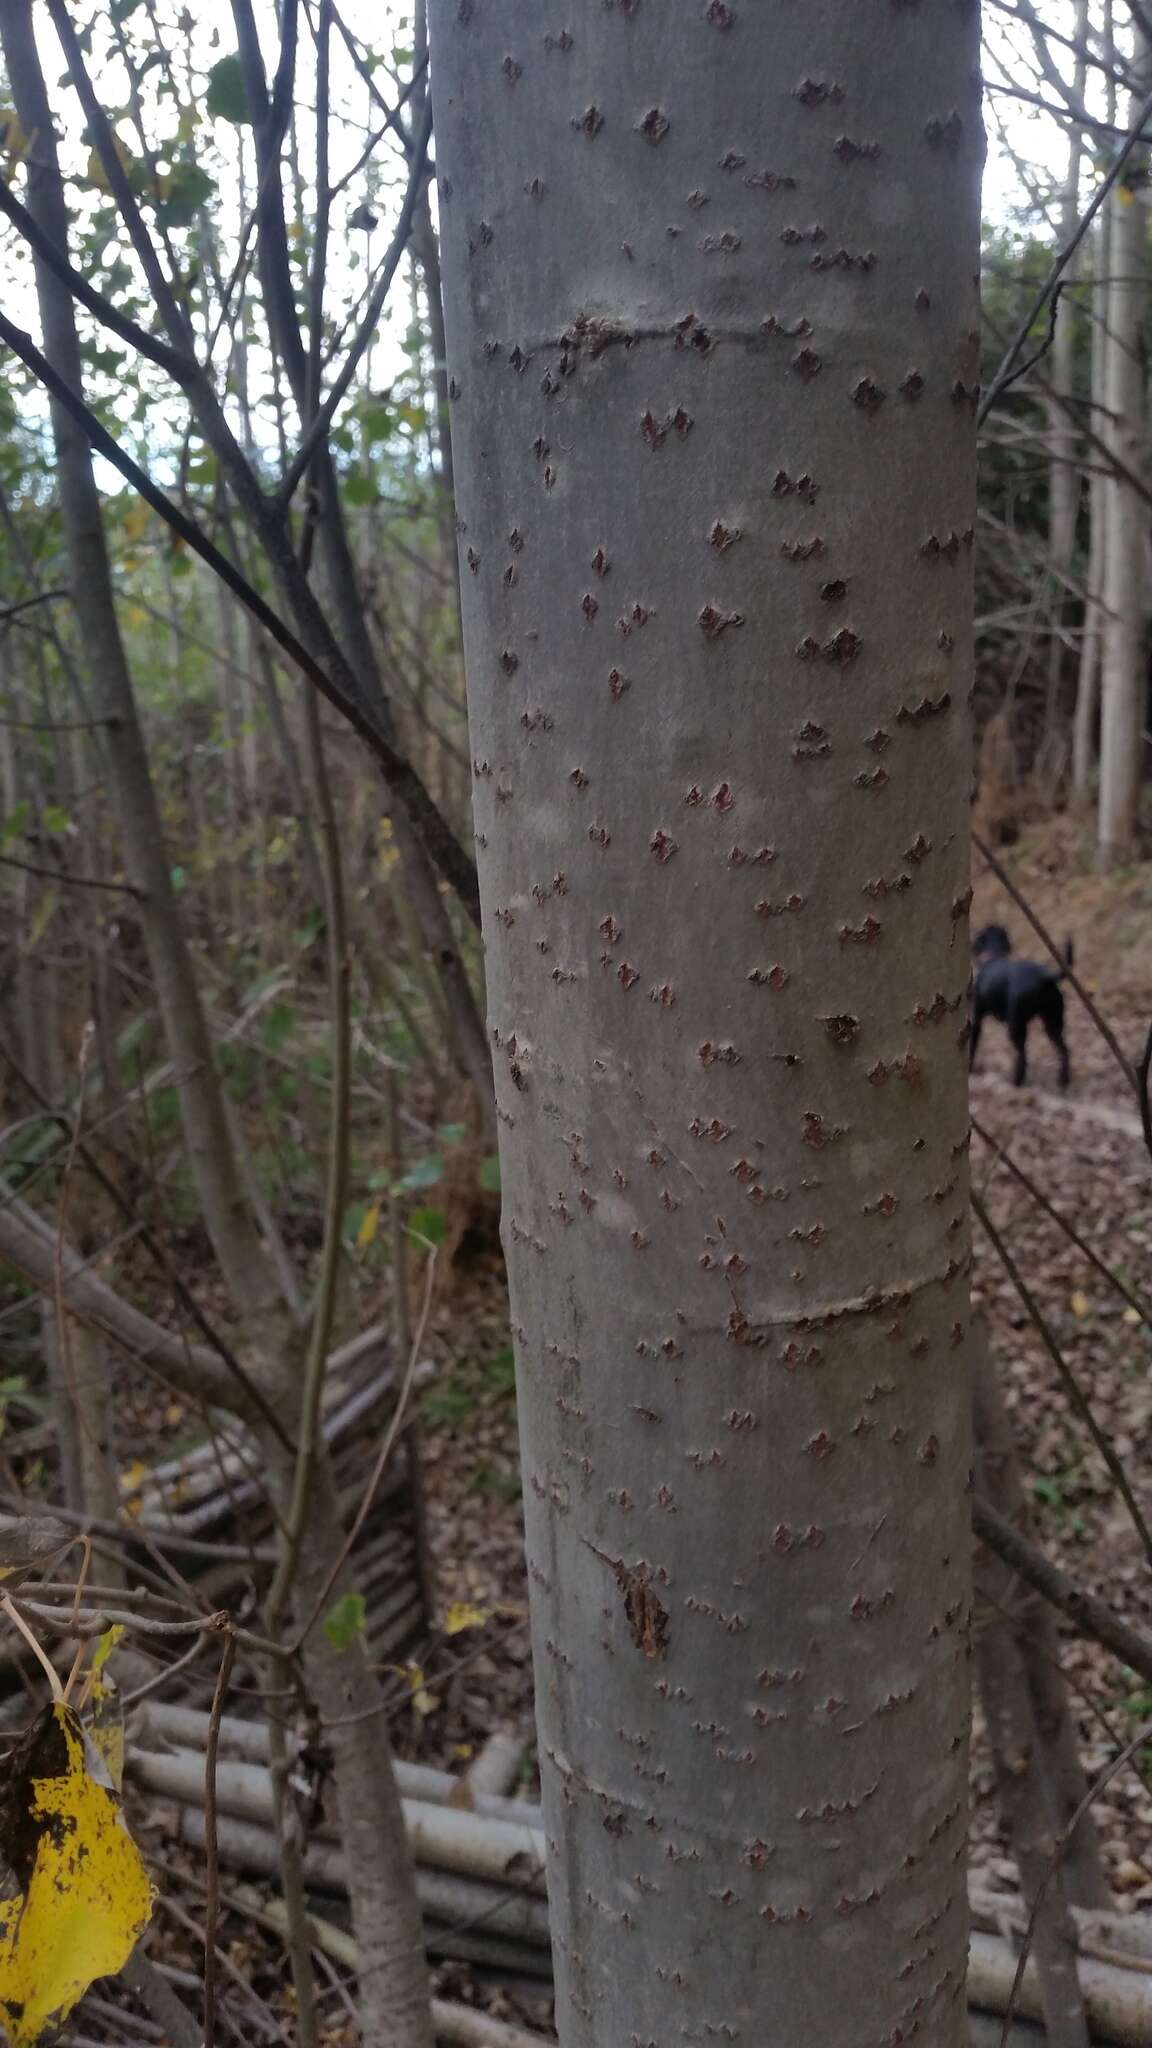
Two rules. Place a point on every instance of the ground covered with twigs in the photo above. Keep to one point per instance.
(1085, 1153)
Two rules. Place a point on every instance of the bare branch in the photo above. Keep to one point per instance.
(1090, 1615)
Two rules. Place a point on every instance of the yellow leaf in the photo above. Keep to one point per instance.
(13, 136)
(134, 523)
(462, 1615)
(1125, 195)
(463, 1750)
(1133, 1315)
(369, 1225)
(95, 170)
(425, 1702)
(85, 1897)
(131, 1480)
(105, 1646)
(1080, 1304)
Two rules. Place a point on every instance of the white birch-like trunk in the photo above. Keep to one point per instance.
(1064, 475)
(710, 295)
(1123, 672)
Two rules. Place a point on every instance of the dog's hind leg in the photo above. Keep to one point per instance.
(1054, 1026)
(1018, 1033)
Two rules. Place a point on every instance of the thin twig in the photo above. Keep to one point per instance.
(1089, 1615)
(317, 431)
(211, 1841)
(1067, 1377)
(97, 1623)
(1009, 369)
(22, 1628)
(391, 1434)
(1093, 1793)
(1106, 1272)
(29, 867)
(26, 604)
(163, 1677)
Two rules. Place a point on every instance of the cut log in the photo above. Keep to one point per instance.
(459, 1904)
(494, 1771)
(1118, 2001)
(443, 1836)
(158, 1726)
(459, 2024)
(1118, 1996)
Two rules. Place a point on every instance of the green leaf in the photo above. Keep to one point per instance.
(182, 193)
(428, 1224)
(227, 99)
(54, 819)
(377, 423)
(490, 1174)
(277, 1024)
(424, 1174)
(15, 824)
(360, 489)
(451, 1134)
(344, 1621)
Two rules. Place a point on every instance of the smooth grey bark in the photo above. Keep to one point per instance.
(709, 286)
(1064, 474)
(1124, 678)
(1088, 681)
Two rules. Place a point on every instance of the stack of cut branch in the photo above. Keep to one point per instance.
(480, 1874)
(216, 1491)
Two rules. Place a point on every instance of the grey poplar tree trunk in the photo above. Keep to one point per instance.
(1064, 475)
(1123, 675)
(710, 296)
(1088, 681)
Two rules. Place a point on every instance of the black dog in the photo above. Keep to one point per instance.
(1015, 991)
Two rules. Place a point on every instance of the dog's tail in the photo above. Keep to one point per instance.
(1069, 957)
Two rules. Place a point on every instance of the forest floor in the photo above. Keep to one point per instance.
(1085, 1151)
